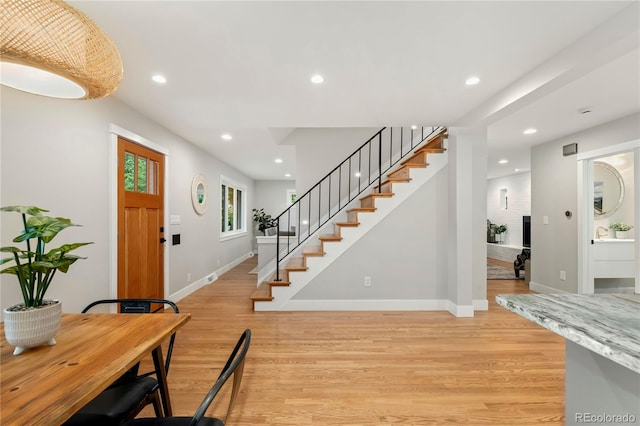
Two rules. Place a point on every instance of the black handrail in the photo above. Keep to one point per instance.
(307, 199)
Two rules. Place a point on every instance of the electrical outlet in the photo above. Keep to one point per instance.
(563, 275)
(367, 281)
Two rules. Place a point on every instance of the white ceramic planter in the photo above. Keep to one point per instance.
(33, 327)
(622, 234)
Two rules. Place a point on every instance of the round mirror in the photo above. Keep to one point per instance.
(608, 189)
(199, 194)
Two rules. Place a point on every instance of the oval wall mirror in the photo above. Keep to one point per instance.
(608, 189)
(199, 194)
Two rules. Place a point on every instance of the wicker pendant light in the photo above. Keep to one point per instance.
(50, 48)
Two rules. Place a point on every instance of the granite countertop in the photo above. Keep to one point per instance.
(607, 324)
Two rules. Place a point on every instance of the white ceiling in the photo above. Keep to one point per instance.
(244, 68)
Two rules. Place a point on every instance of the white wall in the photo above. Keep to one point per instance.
(405, 254)
(554, 188)
(271, 195)
(55, 154)
(518, 188)
(318, 151)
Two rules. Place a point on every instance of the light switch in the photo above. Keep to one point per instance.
(174, 219)
(545, 220)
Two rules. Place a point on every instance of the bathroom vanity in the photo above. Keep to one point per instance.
(613, 258)
(602, 335)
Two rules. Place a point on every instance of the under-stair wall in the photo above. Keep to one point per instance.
(282, 296)
(404, 255)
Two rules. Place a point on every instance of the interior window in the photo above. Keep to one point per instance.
(232, 208)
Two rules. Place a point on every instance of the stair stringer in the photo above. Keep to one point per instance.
(384, 206)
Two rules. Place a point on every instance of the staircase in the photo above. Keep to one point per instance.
(297, 260)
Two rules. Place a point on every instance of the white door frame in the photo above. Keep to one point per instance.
(586, 216)
(114, 132)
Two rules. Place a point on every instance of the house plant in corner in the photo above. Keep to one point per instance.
(621, 229)
(500, 230)
(36, 320)
(263, 220)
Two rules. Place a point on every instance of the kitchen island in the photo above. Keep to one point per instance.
(602, 334)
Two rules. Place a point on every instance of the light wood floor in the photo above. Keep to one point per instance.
(366, 368)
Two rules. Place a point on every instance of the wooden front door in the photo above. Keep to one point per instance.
(140, 221)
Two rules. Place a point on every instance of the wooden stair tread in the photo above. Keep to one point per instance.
(362, 209)
(313, 251)
(282, 283)
(348, 224)
(378, 194)
(431, 150)
(296, 264)
(330, 237)
(391, 180)
(262, 293)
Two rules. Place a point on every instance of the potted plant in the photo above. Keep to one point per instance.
(500, 229)
(263, 220)
(36, 320)
(620, 228)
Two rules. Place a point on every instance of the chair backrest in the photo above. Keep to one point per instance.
(235, 367)
(140, 306)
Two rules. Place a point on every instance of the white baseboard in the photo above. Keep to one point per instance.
(481, 305)
(207, 279)
(540, 288)
(460, 311)
(358, 305)
(373, 305)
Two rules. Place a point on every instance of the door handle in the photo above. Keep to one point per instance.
(162, 240)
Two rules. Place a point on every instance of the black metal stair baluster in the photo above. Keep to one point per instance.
(278, 259)
(329, 206)
(320, 205)
(359, 169)
(380, 163)
(340, 188)
(350, 178)
(288, 230)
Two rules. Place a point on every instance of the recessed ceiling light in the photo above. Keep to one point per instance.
(516, 170)
(278, 160)
(158, 78)
(287, 175)
(317, 79)
(530, 131)
(414, 127)
(226, 137)
(472, 81)
(357, 174)
(503, 161)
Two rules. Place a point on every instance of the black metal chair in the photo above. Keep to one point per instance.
(234, 367)
(128, 395)
(519, 263)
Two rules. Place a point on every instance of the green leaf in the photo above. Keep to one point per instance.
(5, 260)
(30, 210)
(10, 250)
(66, 248)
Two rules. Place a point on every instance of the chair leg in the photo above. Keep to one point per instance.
(157, 407)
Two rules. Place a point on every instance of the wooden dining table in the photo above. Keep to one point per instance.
(48, 384)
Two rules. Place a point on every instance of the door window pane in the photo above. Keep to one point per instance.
(142, 174)
(129, 171)
(153, 177)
